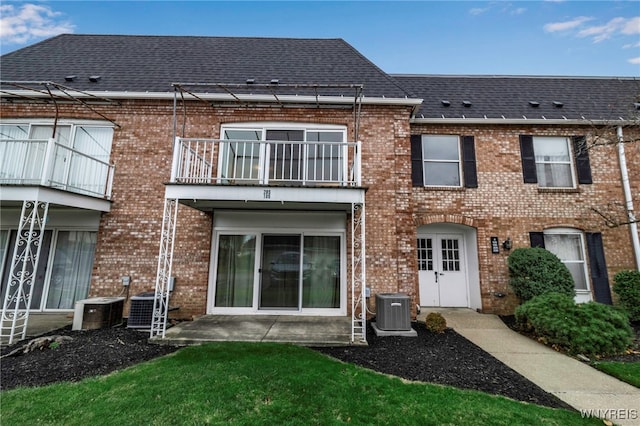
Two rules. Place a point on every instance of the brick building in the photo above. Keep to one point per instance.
(286, 176)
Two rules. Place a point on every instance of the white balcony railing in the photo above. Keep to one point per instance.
(49, 163)
(250, 162)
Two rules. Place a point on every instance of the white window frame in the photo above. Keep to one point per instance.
(426, 161)
(582, 294)
(262, 223)
(570, 162)
(263, 127)
(53, 247)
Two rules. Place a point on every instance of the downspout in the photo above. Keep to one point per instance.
(633, 225)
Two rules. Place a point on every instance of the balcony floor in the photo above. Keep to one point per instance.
(209, 197)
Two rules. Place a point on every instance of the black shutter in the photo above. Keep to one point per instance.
(528, 159)
(581, 153)
(537, 239)
(416, 160)
(469, 162)
(598, 268)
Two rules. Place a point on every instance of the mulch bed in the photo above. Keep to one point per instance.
(446, 359)
(90, 353)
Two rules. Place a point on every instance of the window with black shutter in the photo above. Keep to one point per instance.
(469, 162)
(444, 161)
(581, 153)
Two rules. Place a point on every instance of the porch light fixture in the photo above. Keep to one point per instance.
(466, 104)
(534, 104)
(557, 104)
(506, 244)
(94, 78)
(69, 77)
(445, 103)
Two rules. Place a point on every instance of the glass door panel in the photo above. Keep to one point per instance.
(71, 270)
(324, 160)
(241, 157)
(280, 272)
(321, 282)
(36, 297)
(285, 159)
(235, 272)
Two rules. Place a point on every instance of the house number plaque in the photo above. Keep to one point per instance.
(495, 248)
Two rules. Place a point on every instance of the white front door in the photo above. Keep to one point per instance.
(442, 270)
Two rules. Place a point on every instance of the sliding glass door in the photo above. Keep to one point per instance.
(64, 268)
(278, 272)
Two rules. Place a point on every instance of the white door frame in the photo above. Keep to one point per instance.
(262, 223)
(469, 265)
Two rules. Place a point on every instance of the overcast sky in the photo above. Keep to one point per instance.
(555, 37)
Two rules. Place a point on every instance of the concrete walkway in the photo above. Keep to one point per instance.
(575, 382)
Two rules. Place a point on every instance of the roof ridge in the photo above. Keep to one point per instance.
(382, 72)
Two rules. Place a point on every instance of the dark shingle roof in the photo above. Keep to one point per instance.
(594, 98)
(153, 63)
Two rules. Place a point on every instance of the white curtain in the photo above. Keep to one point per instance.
(84, 172)
(568, 247)
(553, 162)
(71, 269)
(322, 287)
(234, 275)
(13, 154)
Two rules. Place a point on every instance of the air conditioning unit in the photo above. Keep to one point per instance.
(393, 312)
(98, 312)
(141, 310)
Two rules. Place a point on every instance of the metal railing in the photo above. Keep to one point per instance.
(266, 162)
(48, 163)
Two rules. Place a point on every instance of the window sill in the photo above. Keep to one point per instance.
(444, 188)
(559, 190)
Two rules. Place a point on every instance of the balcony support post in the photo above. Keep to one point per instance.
(23, 272)
(358, 274)
(165, 261)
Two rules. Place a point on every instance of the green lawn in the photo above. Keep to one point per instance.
(262, 384)
(626, 371)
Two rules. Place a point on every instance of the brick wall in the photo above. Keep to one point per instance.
(502, 205)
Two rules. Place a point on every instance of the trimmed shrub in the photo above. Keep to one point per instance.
(592, 329)
(627, 288)
(435, 322)
(534, 271)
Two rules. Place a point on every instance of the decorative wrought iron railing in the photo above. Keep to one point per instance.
(216, 161)
(49, 163)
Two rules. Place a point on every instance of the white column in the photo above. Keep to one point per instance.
(165, 261)
(24, 267)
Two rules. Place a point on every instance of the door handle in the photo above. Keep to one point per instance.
(436, 273)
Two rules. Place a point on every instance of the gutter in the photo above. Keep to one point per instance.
(633, 225)
(213, 97)
(525, 121)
